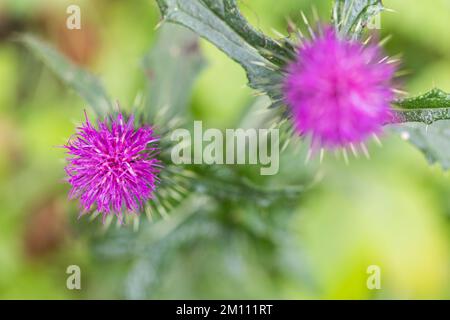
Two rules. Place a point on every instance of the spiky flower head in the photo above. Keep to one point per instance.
(112, 168)
(338, 90)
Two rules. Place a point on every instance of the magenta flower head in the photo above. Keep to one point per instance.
(339, 91)
(112, 168)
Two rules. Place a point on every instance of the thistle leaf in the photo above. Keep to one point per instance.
(82, 82)
(427, 124)
(433, 140)
(221, 22)
(427, 108)
(433, 99)
(351, 16)
(171, 66)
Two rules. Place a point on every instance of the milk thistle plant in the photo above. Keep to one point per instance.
(331, 82)
(328, 85)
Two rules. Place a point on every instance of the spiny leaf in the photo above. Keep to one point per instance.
(226, 184)
(221, 22)
(427, 108)
(426, 116)
(433, 140)
(433, 99)
(171, 66)
(82, 82)
(429, 127)
(351, 16)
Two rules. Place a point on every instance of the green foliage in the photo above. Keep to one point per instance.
(171, 67)
(433, 140)
(427, 126)
(427, 108)
(426, 116)
(202, 224)
(221, 22)
(433, 99)
(82, 82)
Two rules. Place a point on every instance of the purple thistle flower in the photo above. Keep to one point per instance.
(114, 167)
(339, 91)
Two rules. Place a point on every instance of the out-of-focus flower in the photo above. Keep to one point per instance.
(113, 168)
(339, 91)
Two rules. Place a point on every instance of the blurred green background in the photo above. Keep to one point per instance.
(392, 211)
